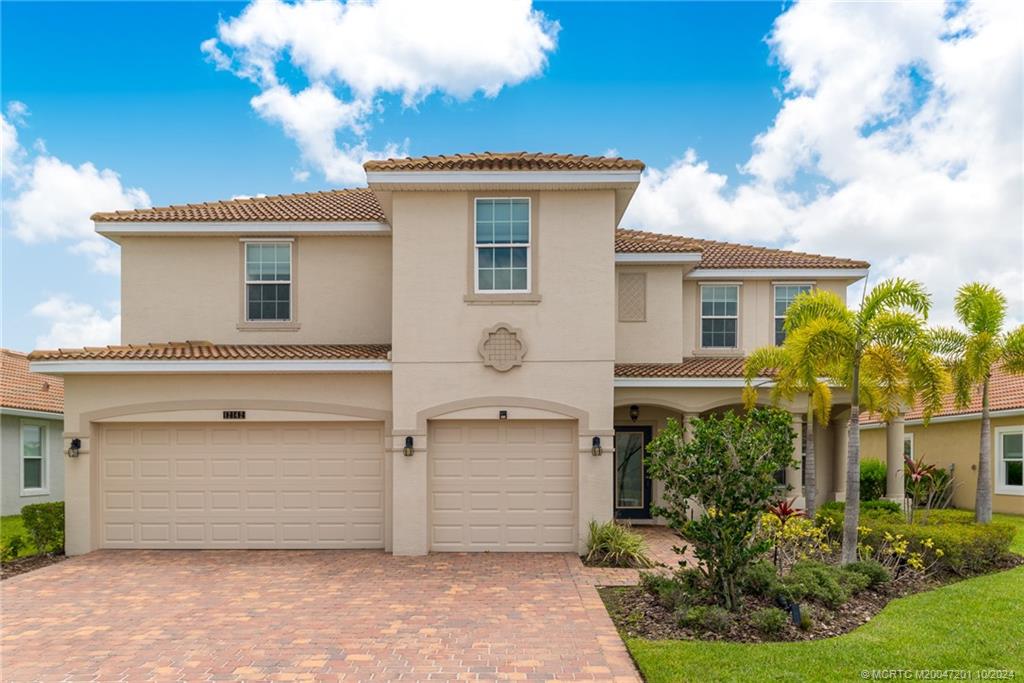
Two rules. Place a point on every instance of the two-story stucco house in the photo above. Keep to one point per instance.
(469, 354)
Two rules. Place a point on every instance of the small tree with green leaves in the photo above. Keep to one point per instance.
(822, 332)
(972, 355)
(728, 468)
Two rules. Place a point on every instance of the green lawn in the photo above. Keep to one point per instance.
(11, 526)
(973, 624)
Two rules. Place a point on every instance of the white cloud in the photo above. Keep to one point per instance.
(74, 324)
(52, 200)
(898, 140)
(353, 52)
(12, 155)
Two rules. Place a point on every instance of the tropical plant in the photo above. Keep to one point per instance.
(880, 352)
(793, 375)
(928, 487)
(972, 355)
(728, 469)
(613, 545)
(872, 479)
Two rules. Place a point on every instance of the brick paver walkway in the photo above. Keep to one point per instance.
(308, 615)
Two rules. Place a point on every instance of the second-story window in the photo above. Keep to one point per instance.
(719, 312)
(268, 281)
(503, 245)
(784, 296)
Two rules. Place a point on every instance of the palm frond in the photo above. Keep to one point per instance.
(929, 382)
(815, 305)
(822, 342)
(821, 400)
(895, 294)
(981, 308)
(947, 341)
(898, 329)
(1013, 351)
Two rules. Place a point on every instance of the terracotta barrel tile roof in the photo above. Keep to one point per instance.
(689, 367)
(725, 254)
(1005, 392)
(26, 390)
(198, 350)
(330, 206)
(506, 161)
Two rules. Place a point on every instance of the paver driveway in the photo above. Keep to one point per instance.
(299, 615)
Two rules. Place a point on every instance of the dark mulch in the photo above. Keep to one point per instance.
(27, 564)
(638, 614)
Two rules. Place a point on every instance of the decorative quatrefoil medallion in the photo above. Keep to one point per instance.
(502, 347)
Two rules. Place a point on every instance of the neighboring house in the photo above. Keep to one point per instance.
(469, 354)
(952, 439)
(31, 435)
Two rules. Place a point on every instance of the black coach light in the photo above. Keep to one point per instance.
(595, 447)
(76, 446)
(408, 447)
(634, 412)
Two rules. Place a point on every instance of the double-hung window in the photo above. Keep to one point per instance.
(33, 458)
(1010, 460)
(719, 315)
(502, 228)
(268, 281)
(784, 296)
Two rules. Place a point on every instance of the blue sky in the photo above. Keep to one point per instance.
(125, 86)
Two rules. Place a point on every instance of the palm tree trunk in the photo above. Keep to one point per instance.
(851, 517)
(810, 475)
(983, 499)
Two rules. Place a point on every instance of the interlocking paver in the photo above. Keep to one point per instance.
(308, 615)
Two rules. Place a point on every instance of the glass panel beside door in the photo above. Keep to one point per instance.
(633, 488)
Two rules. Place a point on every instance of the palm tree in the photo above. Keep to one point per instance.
(823, 333)
(793, 376)
(971, 356)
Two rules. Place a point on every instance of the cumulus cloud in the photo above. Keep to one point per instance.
(352, 52)
(898, 140)
(51, 200)
(75, 324)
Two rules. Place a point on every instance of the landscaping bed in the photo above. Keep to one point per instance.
(31, 540)
(27, 564)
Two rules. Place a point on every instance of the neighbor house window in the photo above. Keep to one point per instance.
(784, 296)
(908, 446)
(503, 245)
(268, 281)
(1010, 460)
(719, 305)
(33, 458)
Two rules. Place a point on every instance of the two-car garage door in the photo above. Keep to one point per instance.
(257, 485)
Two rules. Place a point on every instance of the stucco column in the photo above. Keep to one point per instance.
(794, 472)
(410, 533)
(894, 431)
(79, 535)
(839, 426)
(596, 487)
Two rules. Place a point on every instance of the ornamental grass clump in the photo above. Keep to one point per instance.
(614, 545)
(728, 469)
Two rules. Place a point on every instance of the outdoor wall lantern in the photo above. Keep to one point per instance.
(408, 450)
(634, 412)
(76, 446)
(595, 447)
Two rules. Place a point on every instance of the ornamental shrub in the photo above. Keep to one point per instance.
(11, 548)
(872, 569)
(613, 545)
(770, 621)
(707, 617)
(872, 479)
(728, 468)
(817, 581)
(44, 524)
(760, 578)
(668, 591)
(960, 547)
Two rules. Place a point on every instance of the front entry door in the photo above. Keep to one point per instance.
(632, 486)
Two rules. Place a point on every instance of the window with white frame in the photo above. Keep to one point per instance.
(784, 296)
(1010, 460)
(268, 281)
(502, 227)
(908, 446)
(719, 316)
(33, 457)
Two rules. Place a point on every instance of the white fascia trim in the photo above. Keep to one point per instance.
(531, 177)
(242, 227)
(817, 273)
(688, 382)
(963, 417)
(658, 258)
(37, 414)
(73, 367)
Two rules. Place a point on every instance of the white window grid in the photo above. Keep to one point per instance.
(788, 288)
(261, 244)
(1002, 459)
(528, 245)
(717, 289)
(44, 463)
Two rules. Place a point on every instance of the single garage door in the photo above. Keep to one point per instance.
(503, 485)
(258, 485)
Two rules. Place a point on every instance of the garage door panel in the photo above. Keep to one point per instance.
(242, 486)
(502, 486)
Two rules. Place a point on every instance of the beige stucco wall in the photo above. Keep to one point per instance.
(190, 288)
(658, 338)
(952, 443)
(569, 333)
(90, 399)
